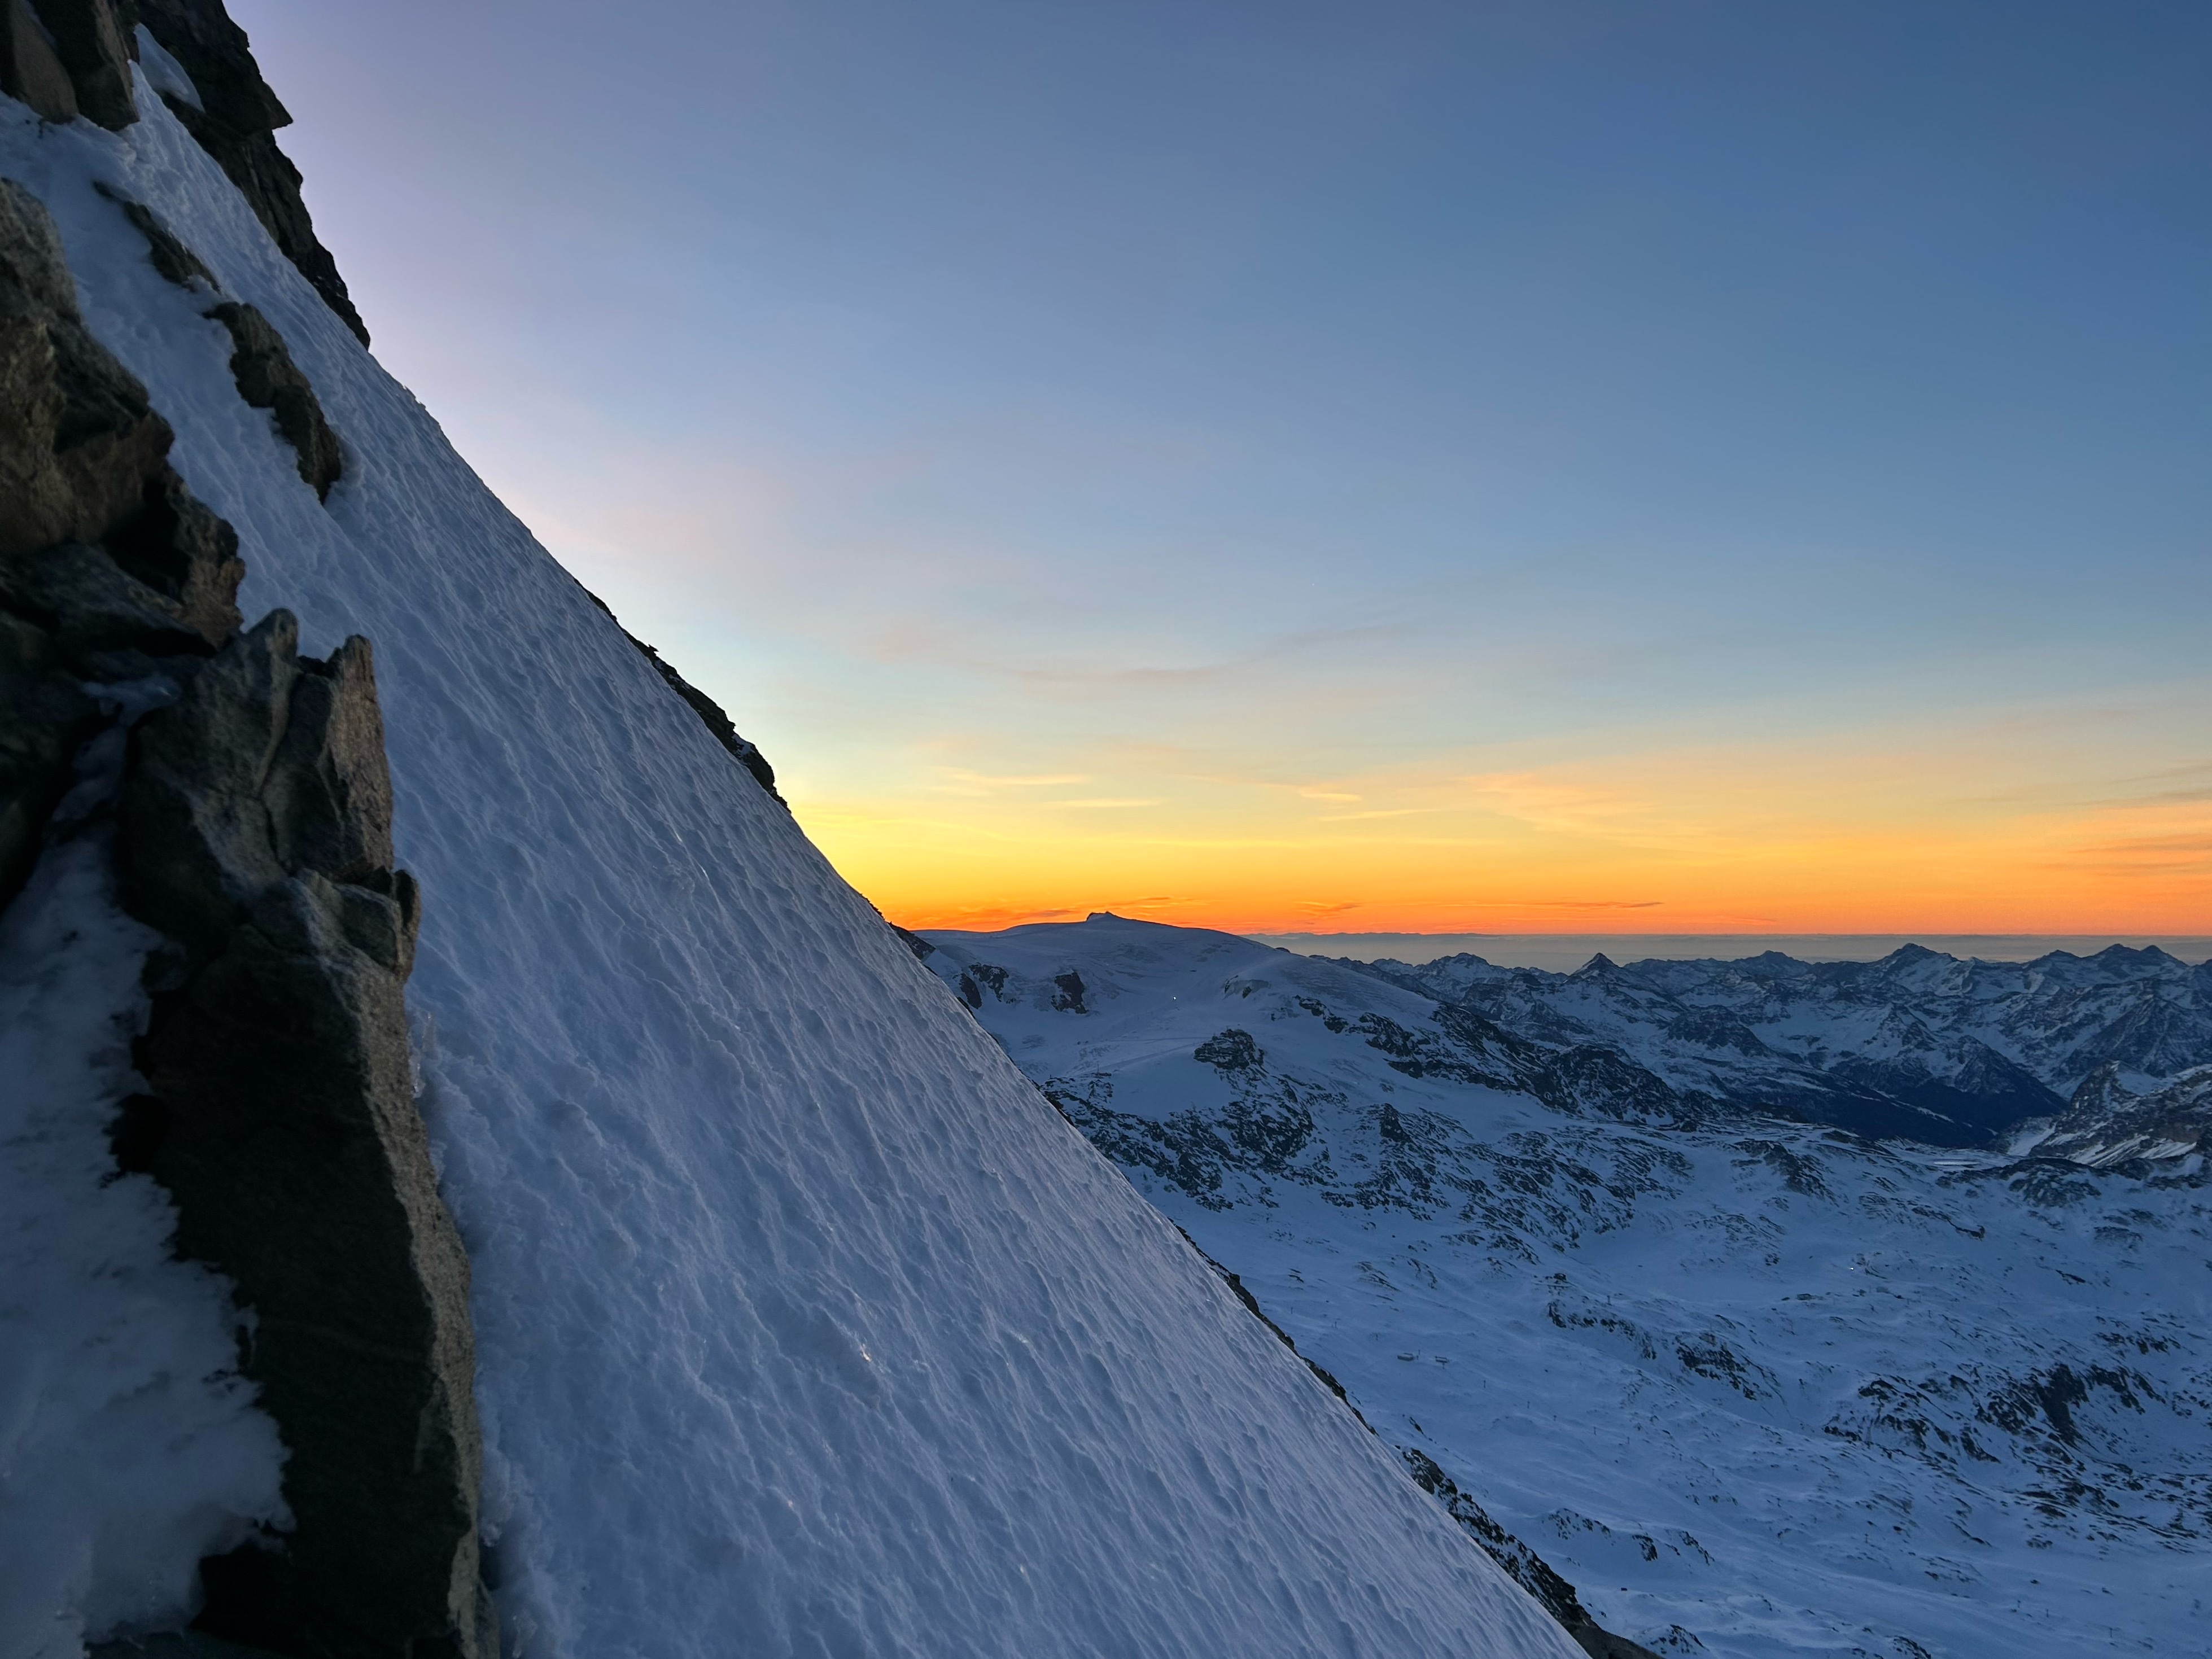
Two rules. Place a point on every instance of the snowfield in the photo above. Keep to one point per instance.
(1756, 1388)
(805, 1325)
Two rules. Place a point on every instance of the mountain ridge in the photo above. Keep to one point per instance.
(1917, 1043)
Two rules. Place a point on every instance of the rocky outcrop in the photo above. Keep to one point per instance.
(260, 362)
(30, 69)
(109, 570)
(235, 121)
(710, 711)
(2108, 1125)
(70, 57)
(254, 831)
(177, 262)
(268, 379)
(92, 38)
(1525, 1567)
(747, 754)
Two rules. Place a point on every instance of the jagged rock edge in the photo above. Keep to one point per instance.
(110, 571)
(710, 713)
(71, 58)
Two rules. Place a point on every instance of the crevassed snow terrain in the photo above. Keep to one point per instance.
(804, 1325)
(1755, 1387)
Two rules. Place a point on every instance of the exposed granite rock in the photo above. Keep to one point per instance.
(92, 38)
(254, 829)
(30, 69)
(1237, 1289)
(748, 756)
(1232, 1050)
(2108, 1125)
(236, 123)
(177, 262)
(1594, 1077)
(109, 568)
(268, 379)
(260, 362)
(1522, 1564)
(1600, 1642)
(70, 57)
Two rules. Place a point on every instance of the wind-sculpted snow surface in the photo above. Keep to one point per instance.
(1754, 1387)
(804, 1325)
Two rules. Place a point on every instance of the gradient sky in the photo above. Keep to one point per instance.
(1520, 467)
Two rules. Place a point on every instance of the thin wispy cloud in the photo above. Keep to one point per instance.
(1589, 904)
(1378, 813)
(980, 785)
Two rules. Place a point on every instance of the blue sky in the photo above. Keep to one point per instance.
(1236, 408)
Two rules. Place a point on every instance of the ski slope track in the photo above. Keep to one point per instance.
(805, 1326)
(1755, 1387)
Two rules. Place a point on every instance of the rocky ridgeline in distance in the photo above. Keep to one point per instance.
(1918, 1046)
(2108, 1125)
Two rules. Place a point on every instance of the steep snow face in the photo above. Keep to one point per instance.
(1755, 1388)
(1918, 1043)
(805, 1326)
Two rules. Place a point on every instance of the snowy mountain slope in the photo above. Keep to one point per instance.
(1753, 1388)
(1918, 1043)
(2106, 1123)
(803, 1326)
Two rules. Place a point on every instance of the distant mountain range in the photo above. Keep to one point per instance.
(1754, 1308)
(1917, 1045)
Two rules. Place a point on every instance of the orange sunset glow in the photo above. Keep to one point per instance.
(1521, 515)
(1941, 839)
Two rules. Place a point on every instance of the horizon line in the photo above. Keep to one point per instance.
(1406, 933)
